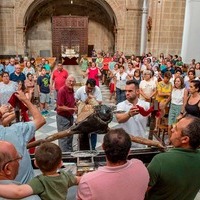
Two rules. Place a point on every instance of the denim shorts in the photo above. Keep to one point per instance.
(174, 112)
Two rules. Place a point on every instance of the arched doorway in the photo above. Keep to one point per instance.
(38, 24)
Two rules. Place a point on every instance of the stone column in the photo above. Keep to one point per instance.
(144, 27)
(120, 39)
(20, 40)
(191, 40)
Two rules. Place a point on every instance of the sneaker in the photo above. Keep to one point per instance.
(43, 112)
(46, 112)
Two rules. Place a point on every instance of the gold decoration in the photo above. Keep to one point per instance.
(149, 27)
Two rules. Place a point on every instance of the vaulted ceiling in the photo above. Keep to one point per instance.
(97, 10)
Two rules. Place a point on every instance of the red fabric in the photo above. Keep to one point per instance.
(15, 102)
(112, 87)
(32, 150)
(65, 98)
(25, 116)
(93, 73)
(144, 112)
(158, 113)
(106, 61)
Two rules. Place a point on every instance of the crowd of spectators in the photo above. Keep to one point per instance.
(134, 83)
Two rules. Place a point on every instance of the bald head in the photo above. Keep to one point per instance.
(6, 147)
(7, 152)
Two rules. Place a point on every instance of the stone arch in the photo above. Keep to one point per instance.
(22, 6)
(24, 9)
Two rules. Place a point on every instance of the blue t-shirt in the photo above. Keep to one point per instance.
(19, 134)
(43, 82)
(10, 69)
(16, 78)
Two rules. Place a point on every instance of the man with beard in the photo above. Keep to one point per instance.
(175, 173)
(130, 119)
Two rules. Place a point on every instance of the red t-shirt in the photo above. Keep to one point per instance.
(59, 78)
(106, 61)
(66, 98)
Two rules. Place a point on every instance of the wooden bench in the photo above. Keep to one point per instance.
(51, 60)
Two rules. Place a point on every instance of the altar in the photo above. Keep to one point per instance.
(70, 56)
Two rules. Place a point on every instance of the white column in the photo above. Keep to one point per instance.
(144, 27)
(191, 39)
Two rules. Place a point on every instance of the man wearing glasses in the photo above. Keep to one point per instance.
(17, 75)
(66, 106)
(9, 165)
(19, 134)
(175, 173)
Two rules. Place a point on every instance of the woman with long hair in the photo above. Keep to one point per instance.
(121, 78)
(137, 76)
(192, 105)
(178, 97)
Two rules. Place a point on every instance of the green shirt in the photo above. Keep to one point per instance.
(53, 187)
(47, 67)
(175, 175)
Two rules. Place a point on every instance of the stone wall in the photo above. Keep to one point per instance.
(7, 28)
(167, 26)
(39, 37)
(100, 37)
(166, 33)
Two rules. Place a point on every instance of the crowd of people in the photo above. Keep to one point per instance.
(134, 83)
(165, 79)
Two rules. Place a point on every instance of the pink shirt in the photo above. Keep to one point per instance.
(128, 181)
(93, 73)
(59, 78)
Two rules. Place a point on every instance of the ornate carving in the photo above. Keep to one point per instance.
(149, 27)
(69, 31)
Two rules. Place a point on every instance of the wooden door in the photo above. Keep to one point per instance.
(69, 32)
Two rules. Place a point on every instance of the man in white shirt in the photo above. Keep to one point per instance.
(130, 120)
(84, 94)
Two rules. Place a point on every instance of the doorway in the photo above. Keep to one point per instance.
(69, 37)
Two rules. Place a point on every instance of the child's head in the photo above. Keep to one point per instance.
(48, 157)
(43, 71)
(21, 85)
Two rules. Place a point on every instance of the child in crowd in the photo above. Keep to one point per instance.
(50, 184)
(43, 83)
